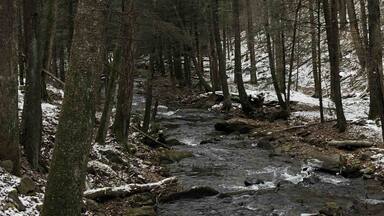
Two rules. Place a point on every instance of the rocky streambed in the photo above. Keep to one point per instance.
(252, 179)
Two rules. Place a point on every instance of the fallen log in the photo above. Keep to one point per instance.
(350, 144)
(127, 190)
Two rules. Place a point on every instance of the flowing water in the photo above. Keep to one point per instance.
(227, 160)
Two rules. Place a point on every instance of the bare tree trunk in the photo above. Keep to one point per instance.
(62, 62)
(148, 96)
(245, 105)
(271, 57)
(49, 27)
(32, 113)
(294, 38)
(320, 89)
(171, 67)
(9, 127)
(126, 78)
(20, 42)
(332, 27)
(279, 43)
(111, 89)
(199, 64)
(178, 65)
(376, 56)
(355, 33)
(66, 180)
(373, 108)
(187, 66)
(227, 104)
(214, 67)
(251, 41)
(314, 47)
(341, 7)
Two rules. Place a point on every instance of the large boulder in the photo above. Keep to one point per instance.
(331, 163)
(240, 125)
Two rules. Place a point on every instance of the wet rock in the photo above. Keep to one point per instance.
(368, 170)
(171, 156)
(14, 197)
(283, 184)
(113, 156)
(278, 115)
(351, 172)
(267, 142)
(173, 142)
(131, 148)
(7, 165)
(96, 167)
(240, 125)
(26, 186)
(366, 156)
(329, 163)
(91, 205)
(331, 209)
(142, 199)
(142, 211)
(312, 179)
(162, 109)
(194, 193)
(250, 182)
(151, 142)
(208, 141)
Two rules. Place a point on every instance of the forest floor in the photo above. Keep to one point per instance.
(300, 136)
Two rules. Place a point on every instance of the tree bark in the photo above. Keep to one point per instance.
(332, 29)
(20, 42)
(320, 89)
(245, 105)
(126, 78)
(314, 47)
(213, 61)
(251, 41)
(66, 180)
(32, 113)
(199, 64)
(9, 127)
(110, 96)
(227, 104)
(373, 109)
(271, 57)
(376, 56)
(294, 39)
(279, 43)
(49, 27)
(148, 96)
(355, 33)
(341, 7)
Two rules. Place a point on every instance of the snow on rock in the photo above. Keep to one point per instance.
(97, 166)
(9, 183)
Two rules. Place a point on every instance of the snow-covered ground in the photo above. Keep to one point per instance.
(354, 83)
(9, 183)
(101, 174)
